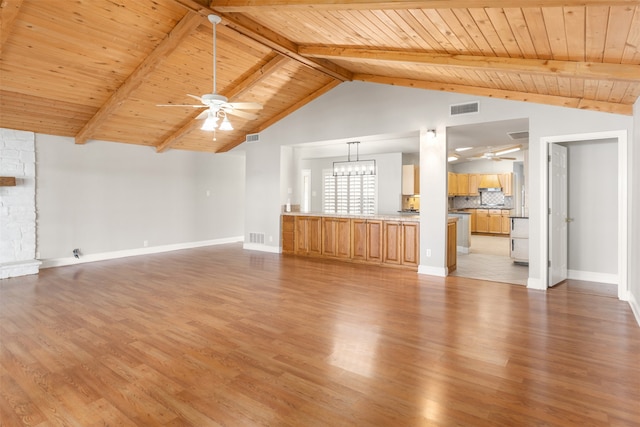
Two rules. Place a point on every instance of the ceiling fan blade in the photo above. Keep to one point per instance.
(507, 158)
(243, 114)
(195, 97)
(246, 105)
(181, 105)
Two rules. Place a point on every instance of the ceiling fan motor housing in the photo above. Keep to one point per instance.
(213, 99)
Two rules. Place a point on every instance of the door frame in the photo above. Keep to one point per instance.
(623, 176)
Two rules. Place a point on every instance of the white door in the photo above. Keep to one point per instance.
(558, 214)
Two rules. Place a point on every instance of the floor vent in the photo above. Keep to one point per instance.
(468, 108)
(252, 137)
(519, 135)
(256, 238)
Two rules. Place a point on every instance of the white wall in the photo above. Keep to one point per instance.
(103, 197)
(354, 109)
(593, 206)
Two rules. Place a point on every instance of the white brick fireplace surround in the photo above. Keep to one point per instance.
(18, 204)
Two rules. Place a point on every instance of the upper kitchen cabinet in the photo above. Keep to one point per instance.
(463, 184)
(452, 184)
(506, 182)
(410, 180)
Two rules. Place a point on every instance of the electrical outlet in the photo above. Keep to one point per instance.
(428, 252)
(145, 243)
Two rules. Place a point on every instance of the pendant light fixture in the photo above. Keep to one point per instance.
(354, 167)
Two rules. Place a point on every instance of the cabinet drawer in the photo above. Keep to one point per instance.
(495, 212)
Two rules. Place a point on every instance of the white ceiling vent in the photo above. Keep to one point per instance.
(252, 137)
(467, 108)
(519, 135)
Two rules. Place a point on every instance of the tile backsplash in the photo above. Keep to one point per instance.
(492, 198)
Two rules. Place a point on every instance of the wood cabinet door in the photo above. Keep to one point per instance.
(495, 221)
(452, 184)
(474, 178)
(329, 232)
(392, 247)
(463, 184)
(411, 243)
(374, 241)
(482, 220)
(506, 223)
(452, 247)
(315, 235)
(288, 234)
(359, 239)
(302, 240)
(472, 219)
(343, 238)
(506, 181)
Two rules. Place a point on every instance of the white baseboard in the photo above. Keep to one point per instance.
(432, 271)
(463, 249)
(590, 276)
(635, 307)
(59, 262)
(262, 248)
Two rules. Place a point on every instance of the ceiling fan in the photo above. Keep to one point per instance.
(496, 155)
(218, 106)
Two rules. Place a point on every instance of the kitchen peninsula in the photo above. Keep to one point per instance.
(388, 240)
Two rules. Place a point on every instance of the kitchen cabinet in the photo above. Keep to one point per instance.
(506, 221)
(288, 234)
(495, 221)
(308, 235)
(410, 180)
(463, 184)
(366, 240)
(401, 243)
(506, 182)
(474, 180)
(452, 253)
(482, 220)
(336, 237)
(452, 184)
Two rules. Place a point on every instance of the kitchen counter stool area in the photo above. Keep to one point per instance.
(386, 240)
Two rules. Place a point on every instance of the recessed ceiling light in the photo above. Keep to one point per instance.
(463, 149)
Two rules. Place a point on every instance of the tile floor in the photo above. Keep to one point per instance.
(489, 260)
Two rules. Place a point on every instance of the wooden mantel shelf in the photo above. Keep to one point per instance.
(7, 181)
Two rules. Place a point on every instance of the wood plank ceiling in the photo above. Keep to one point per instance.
(97, 69)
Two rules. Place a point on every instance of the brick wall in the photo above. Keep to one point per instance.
(18, 204)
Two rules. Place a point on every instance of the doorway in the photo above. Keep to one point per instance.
(549, 240)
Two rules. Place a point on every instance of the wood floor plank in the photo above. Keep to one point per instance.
(222, 336)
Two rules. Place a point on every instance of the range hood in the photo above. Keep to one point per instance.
(489, 182)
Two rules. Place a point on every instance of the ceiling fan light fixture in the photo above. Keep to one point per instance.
(452, 158)
(226, 124)
(210, 123)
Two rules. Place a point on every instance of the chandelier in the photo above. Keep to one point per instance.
(354, 167)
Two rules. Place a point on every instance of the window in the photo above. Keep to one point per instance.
(353, 194)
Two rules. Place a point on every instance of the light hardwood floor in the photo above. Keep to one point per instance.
(221, 336)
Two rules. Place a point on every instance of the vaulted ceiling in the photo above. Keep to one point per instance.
(98, 69)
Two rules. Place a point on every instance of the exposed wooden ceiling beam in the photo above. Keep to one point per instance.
(608, 107)
(265, 36)
(186, 26)
(9, 10)
(586, 70)
(252, 5)
(259, 73)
